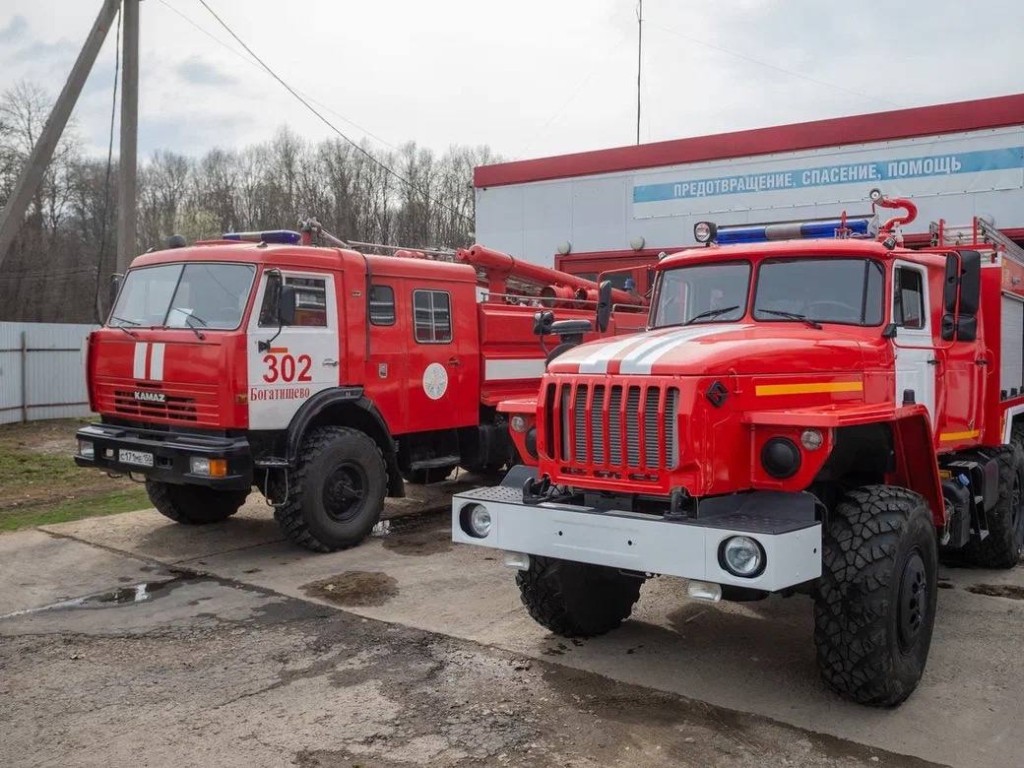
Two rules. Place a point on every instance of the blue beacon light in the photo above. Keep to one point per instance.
(272, 236)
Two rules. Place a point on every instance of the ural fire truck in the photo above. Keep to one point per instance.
(823, 415)
(320, 375)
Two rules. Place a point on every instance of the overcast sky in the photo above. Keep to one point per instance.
(529, 78)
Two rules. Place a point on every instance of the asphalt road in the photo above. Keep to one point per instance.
(408, 650)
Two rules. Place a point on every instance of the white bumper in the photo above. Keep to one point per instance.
(688, 547)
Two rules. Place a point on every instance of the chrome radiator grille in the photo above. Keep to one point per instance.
(614, 425)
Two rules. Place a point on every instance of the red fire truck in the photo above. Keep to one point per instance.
(321, 375)
(823, 415)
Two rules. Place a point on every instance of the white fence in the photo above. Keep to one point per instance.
(42, 373)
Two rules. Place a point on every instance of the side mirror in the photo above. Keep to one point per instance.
(115, 287)
(604, 305)
(542, 322)
(889, 332)
(966, 328)
(970, 282)
(286, 300)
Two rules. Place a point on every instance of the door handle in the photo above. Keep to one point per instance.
(454, 361)
(330, 363)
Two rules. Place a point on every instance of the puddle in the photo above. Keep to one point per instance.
(998, 590)
(354, 589)
(128, 595)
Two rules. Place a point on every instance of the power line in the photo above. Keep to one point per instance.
(242, 57)
(777, 68)
(106, 181)
(328, 123)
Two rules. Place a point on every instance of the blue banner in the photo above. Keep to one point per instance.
(847, 173)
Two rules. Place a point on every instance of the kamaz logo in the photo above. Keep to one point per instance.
(150, 397)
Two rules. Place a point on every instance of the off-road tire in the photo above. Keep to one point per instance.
(1017, 434)
(1004, 545)
(577, 599)
(325, 511)
(874, 608)
(428, 475)
(194, 504)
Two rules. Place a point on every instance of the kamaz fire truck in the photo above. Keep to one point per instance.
(824, 415)
(322, 376)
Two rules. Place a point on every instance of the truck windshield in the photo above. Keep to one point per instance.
(825, 290)
(200, 295)
(705, 293)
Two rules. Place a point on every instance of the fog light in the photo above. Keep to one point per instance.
(742, 556)
(518, 423)
(475, 520)
(86, 449)
(811, 439)
(780, 457)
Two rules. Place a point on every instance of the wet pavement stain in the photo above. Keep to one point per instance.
(998, 590)
(415, 535)
(354, 589)
(127, 595)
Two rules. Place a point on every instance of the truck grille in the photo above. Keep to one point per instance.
(191, 404)
(616, 426)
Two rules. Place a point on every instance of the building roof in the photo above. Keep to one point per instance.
(935, 120)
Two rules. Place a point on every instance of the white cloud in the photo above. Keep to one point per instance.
(529, 78)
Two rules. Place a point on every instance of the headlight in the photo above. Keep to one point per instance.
(86, 449)
(475, 520)
(780, 457)
(742, 556)
(518, 423)
(200, 465)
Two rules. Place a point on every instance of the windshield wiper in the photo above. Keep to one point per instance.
(188, 321)
(711, 313)
(123, 321)
(792, 316)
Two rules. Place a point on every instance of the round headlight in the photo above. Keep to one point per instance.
(742, 556)
(780, 457)
(811, 439)
(704, 231)
(518, 423)
(476, 520)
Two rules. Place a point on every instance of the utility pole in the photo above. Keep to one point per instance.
(126, 208)
(639, 61)
(32, 174)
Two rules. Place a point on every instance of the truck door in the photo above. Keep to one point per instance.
(442, 385)
(288, 364)
(914, 346)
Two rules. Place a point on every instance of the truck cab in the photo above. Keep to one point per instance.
(819, 415)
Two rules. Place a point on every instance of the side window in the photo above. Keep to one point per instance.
(310, 303)
(908, 310)
(432, 317)
(382, 305)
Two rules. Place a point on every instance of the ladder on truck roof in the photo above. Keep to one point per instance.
(981, 231)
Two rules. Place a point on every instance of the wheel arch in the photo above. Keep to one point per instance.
(347, 407)
(915, 465)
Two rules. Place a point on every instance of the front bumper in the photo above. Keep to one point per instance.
(783, 524)
(171, 452)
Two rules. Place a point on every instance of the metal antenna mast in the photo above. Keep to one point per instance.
(639, 61)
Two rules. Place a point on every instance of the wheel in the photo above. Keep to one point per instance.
(1004, 545)
(194, 504)
(1017, 434)
(429, 475)
(874, 607)
(577, 599)
(336, 493)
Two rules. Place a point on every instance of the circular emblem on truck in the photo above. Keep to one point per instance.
(435, 381)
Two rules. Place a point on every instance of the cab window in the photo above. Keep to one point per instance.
(432, 317)
(908, 296)
(310, 303)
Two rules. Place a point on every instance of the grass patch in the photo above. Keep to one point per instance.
(109, 503)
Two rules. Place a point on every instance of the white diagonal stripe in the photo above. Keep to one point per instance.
(156, 362)
(642, 359)
(139, 366)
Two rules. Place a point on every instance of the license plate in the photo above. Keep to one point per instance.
(139, 458)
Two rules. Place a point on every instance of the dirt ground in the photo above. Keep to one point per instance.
(204, 671)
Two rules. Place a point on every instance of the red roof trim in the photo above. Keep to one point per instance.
(934, 120)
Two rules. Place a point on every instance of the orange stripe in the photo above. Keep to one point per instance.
(808, 388)
(278, 350)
